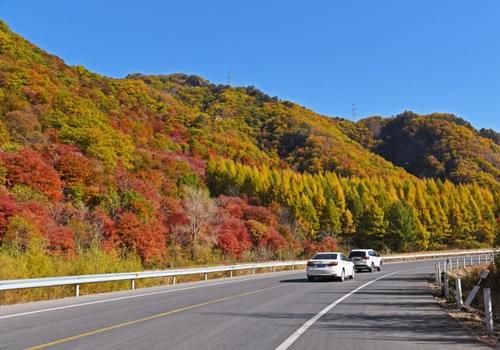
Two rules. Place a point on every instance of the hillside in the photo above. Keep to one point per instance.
(156, 111)
(177, 170)
(437, 146)
(250, 126)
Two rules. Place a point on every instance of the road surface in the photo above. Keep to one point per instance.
(391, 309)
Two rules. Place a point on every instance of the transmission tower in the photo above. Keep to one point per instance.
(353, 111)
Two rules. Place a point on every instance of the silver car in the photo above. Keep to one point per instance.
(366, 259)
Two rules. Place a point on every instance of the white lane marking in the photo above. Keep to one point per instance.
(139, 296)
(291, 339)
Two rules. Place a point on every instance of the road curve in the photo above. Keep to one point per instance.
(392, 309)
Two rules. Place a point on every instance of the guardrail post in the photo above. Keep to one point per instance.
(488, 310)
(132, 284)
(173, 279)
(231, 273)
(458, 265)
(77, 290)
(459, 293)
(272, 268)
(206, 276)
(464, 262)
(479, 262)
(445, 279)
(446, 285)
(439, 273)
(253, 271)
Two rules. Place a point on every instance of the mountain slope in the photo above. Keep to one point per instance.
(177, 170)
(178, 113)
(436, 145)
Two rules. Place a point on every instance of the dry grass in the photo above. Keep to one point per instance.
(36, 263)
(470, 274)
(472, 319)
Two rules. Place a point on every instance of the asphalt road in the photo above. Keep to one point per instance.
(391, 309)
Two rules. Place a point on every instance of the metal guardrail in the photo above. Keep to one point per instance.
(438, 255)
(133, 276)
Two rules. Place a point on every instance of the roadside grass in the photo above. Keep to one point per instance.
(472, 319)
(35, 263)
(470, 274)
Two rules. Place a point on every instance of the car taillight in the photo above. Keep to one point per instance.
(310, 263)
(334, 263)
(366, 257)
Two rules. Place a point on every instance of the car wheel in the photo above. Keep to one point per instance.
(379, 268)
(372, 268)
(311, 278)
(342, 276)
(352, 275)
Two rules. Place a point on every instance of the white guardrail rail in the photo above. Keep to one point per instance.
(133, 276)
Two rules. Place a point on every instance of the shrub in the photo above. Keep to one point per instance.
(27, 167)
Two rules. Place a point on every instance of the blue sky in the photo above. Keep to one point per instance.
(384, 56)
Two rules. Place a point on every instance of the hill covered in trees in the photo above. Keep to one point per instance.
(436, 146)
(177, 170)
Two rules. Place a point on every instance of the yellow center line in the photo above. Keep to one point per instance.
(152, 317)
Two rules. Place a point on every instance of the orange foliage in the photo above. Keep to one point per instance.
(28, 168)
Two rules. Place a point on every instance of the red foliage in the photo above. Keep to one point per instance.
(107, 228)
(259, 220)
(127, 181)
(151, 244)
(328, 244)
(148, 240)
(8, 207)
(27, 167)
(233, 237)
(232, 206)
(173, 212)
(60, 239)
(73, 167)
(128, 228)
(258, 213)
(153, 177)
(272, 240)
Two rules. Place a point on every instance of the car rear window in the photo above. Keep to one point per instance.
(357, 254)
(325, 256)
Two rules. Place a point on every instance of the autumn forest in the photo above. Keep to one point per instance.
(100, 174)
